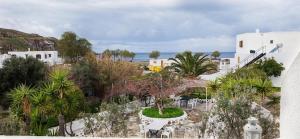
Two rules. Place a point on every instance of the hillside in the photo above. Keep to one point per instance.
(12, 40)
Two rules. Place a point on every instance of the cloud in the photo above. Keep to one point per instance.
(145, 25)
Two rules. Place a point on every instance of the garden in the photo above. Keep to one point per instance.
(105, 96)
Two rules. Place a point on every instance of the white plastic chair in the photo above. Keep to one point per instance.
(177, 103)
(195, 101)
(165, 133)
(192, 103)
(152, 101)
(142, 130)
(171, 129)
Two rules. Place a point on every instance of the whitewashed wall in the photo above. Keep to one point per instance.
(290, 103)
(3, 57)
(159, 62)
(50, 57)
(290, 42)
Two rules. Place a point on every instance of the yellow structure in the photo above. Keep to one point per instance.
(155, 68)
(156, 65)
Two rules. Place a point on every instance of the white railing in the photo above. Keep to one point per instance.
(276, 48)
(252, 56)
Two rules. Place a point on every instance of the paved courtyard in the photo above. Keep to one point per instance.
(194, 116)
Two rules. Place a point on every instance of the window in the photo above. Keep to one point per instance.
(38, 56)
(271, 41)
(241, 44)
(45, 56)
(49, 55)
(26, 55)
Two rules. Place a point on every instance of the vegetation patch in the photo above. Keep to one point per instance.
(167, 112)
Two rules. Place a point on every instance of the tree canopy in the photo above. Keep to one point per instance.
(122, 55)
(72, 48)
(86, 74)
(59, 97)
(215, 54)
(17, 70)
(270, 66)
(192, 65)
(160, 85)
(154, 54)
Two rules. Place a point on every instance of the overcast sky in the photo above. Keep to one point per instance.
(146, 25)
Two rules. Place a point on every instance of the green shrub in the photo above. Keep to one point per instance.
(277, 89)
(11, 126)
(167, 112)
(270, 66)
(199, 93)
(52, 121)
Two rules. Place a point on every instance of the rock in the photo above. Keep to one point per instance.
(12, 40)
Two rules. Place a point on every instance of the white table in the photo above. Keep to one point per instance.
(156, 125)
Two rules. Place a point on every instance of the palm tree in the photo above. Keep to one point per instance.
(21, 104)
(116, 54)
(65, 98)
(214, 86)
(59, 88)
(107, 53)
(264, 88)
(192, 65)
(228, 88)
(74, 105)
(132, 55)
(40, 111)
(274, 103)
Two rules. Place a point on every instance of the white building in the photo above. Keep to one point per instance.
(49, 57)
(226, 64)
(158, 64)
(284, 47)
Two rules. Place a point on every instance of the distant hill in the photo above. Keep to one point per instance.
(12, 40)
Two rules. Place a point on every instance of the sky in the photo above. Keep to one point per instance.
(146, 25)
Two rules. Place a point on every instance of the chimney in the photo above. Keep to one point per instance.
(257, 30)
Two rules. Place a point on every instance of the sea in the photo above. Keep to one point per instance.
(142, 57)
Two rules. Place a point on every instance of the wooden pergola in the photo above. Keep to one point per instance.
(191, 83)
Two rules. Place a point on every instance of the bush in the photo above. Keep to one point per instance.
(270, 66)
(11, 126)
(167, 112)
(16, 71)
(230, 116)
(93, 104)
(198, 93)
(52, 121)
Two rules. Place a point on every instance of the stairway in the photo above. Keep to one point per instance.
(255, 59)
(259, 53)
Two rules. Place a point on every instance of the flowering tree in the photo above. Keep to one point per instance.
(115, 75)
(159, 85)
